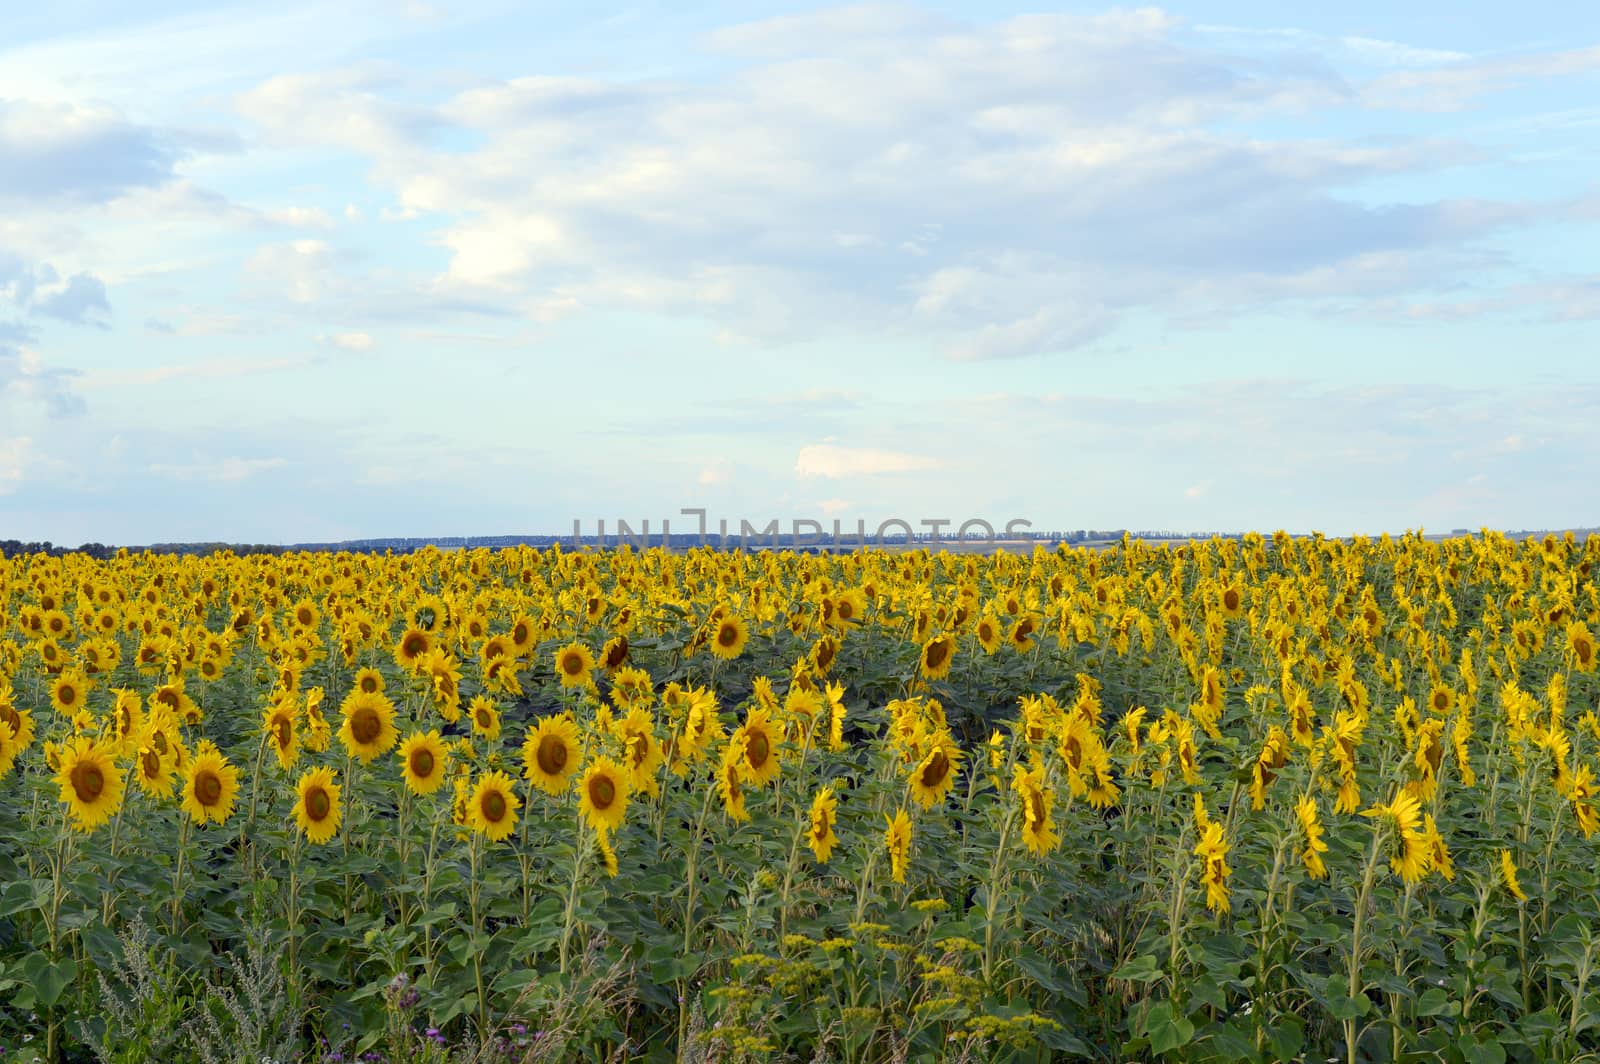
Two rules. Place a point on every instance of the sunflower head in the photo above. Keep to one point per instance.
(551, 754)
(316, 808)
(492, 807)
(423, 761)
(603, 794)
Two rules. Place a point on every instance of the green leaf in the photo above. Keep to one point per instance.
(1436, 1002)
(1142, 969)
(1166, 1030)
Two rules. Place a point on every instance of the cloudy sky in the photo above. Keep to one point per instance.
(300, 271)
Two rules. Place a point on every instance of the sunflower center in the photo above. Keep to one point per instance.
(937, 652)
(572, 665)
(365, 725)
(369, 685)
(415, 645)
(422, 763)
(552, 755)
(318, 804)
(1230, 599)
(283, 732)
(208, 788)
(67, 694)
(727, 635)
(493, 806)
(824, 824)
(150, 761)
(757, 748)
(1035, 807)
(87, 781)
(936, 769)
(602, 792)
(1441, 701)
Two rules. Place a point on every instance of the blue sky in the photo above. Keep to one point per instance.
(305, 271)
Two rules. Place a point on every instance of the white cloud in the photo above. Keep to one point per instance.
(715, 474)
(231, 469)
(14, 455)
(1017, 187)
(352, 341)
(833, 507)
(301, 218)
(832, 461)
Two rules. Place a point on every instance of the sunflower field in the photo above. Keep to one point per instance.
(1258, 799)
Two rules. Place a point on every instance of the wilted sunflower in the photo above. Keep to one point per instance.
(91, 783)
(603, 794)
(820, 835)
(550, 754)
(492, 809)
(422, 761)
(575, 665)
(316, 808)
(729, 637)
(368, 729)
(937, 655)
(210, 786)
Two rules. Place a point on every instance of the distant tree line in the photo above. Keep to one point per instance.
(11, 548)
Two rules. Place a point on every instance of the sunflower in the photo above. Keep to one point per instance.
(988, 633)
(485, 717)
(730, 785)
(1021, 635)
(173, 696)
(368, 729)
(1580, 641)
(91, 783)
(523, 634)
(1441, 700)
(1036, 798)
(644, 757)
(369, 681)
(937, 654)
(316, 807)
(603, 794)
(614, 655)
(413, 646)
(897, 840)
(279, 723)
(422, 761)
(550, 754)
(729, 638)
(1214, 871)
(210, 786)
(1306, 812)
(152, 768)
(575, 665)
(757, 741)
(69, 691)
(823, 653)
(935, 775)
(441, 671)
(8, 749)
(1409, 854)
(820, 835)
(1508, 874)
(428, 615)
(608, 856)
(492, 809)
